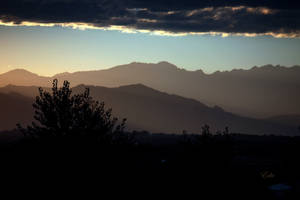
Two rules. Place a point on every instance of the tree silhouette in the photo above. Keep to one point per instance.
(206, 134)
(60, 114)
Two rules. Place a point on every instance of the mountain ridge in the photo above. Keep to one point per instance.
(155, 111)
(259, 92)
(266, 66)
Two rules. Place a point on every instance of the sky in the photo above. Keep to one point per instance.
(54, 36)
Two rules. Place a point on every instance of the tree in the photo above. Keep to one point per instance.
(60, 114)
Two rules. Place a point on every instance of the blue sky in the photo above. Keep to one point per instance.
(50, 50)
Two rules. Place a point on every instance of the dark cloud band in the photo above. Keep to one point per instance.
(278, 18)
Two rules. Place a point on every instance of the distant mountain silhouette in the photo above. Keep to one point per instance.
(258, 92)
(22, 77)
(290, 120)
(154, 111)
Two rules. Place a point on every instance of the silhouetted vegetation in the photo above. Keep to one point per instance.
(61, 115)
(77, 140)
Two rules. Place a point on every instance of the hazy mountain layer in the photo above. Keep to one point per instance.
(14, 108)
(148, 109)
(290, 120)
(259, 92)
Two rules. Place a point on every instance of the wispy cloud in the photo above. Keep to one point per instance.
(276, 18)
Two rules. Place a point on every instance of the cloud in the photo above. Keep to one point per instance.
(277, 18)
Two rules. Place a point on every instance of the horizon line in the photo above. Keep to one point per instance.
(150, 63)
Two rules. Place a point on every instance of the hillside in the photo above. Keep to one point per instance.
(290, 120)
(14, 108)
(259, 92)
(154, 111)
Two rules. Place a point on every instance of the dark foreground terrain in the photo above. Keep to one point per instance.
(158, 165)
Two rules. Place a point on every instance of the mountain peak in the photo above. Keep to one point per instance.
(137, 86)
(62, 74)
(19, 71)
(24, 78)
(167, 64)
(269, 67)
(164, 63)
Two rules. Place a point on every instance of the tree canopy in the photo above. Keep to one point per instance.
(60, 114)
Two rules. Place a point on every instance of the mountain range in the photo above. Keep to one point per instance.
(145, 108)
(260, 92)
